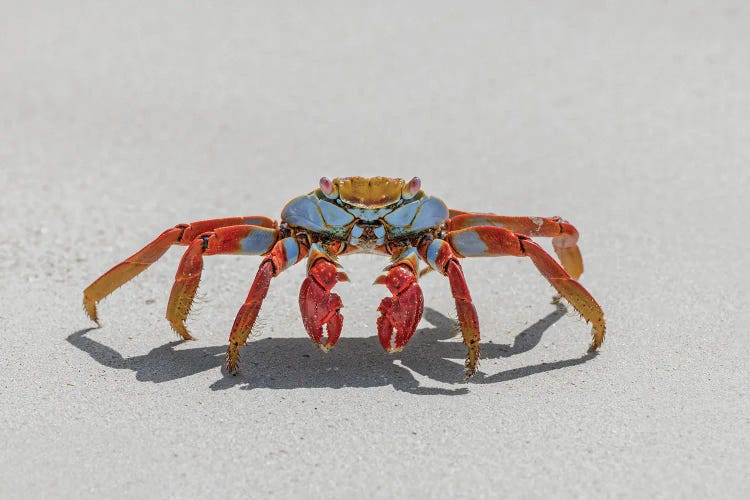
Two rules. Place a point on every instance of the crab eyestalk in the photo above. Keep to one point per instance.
(411, 188)
(329, 188)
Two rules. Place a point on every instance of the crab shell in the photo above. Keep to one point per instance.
(350, 208)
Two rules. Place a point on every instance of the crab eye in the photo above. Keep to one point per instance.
(411, 188)
(327, 187)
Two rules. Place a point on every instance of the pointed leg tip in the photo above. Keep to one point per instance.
(232, 359)
(95, 319)
(595, 345)
(598, 332)
(231, 366)
(180, 329)
(90, 307)
(471, 367)
(469, 374)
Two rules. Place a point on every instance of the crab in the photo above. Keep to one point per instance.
(347, 215)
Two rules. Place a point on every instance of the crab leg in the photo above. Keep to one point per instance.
(564, 235)
(400, 314)
(486, 241)
(284, 254)
(181, 234)
(441, 257)
(318, 306)
(247, 240)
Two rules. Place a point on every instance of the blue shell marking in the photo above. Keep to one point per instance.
(291, 250)
(432, 253)
(402, 217)
(259, 241)
(468, 243)
(432, 212)
(413, 217)
(315, 214)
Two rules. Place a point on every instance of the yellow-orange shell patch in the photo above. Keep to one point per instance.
(369, 192)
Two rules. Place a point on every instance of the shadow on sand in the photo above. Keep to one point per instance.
(289, 363)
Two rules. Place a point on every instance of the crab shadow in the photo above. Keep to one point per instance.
(289, 363)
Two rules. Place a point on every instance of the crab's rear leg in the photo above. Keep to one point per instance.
(495, 241)
(181, 234)
(564, 235)
(400, 314)
(441, 257)
(284, 254)
(319, 307)
(247, 240)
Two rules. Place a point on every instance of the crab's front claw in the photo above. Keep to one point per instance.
(400, 314)
(319, 307)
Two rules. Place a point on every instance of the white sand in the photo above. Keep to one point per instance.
(632, 122)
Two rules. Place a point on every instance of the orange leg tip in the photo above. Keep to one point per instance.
(598, 332)
(89, 306)
(232, 359)
(180, 303)
(180, 329)
(472, 362)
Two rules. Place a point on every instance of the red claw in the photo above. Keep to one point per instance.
(319, 307)
(401, 313)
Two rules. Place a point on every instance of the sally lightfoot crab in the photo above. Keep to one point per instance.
(357, 214)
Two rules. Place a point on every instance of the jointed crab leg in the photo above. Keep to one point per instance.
(495, 241)
(248, 240)
(285, 253)
(400, 314)
(182, 234)
(441, 257)
(564, 235)
(318, 306)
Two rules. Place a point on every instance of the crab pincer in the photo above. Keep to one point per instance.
(319, 307)
(400, 314)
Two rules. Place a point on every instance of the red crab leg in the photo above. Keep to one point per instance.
(564, 235)
(400, 314)
(248, 240)
(285, 253)
(320, 309)
(181, 234)
(491, 241)
(442, 258)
